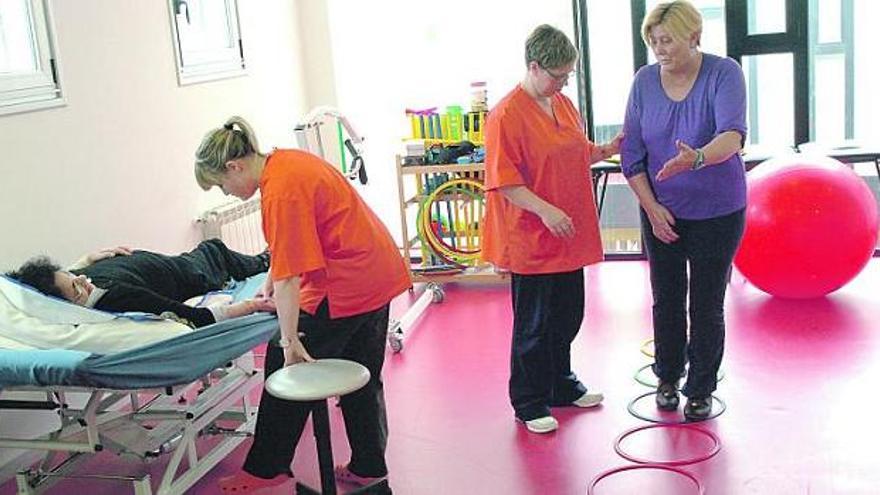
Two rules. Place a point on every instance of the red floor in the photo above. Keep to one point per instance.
(800, 383)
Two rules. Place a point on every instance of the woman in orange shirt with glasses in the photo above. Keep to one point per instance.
(541, 225)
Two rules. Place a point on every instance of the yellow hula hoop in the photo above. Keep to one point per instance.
(470, 254)
(436, 243)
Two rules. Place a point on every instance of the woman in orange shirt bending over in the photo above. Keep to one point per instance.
(541, 225)
(334, 270)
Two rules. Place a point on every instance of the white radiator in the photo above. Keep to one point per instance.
(237, 224)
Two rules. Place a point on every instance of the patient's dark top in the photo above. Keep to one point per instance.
(155, 283)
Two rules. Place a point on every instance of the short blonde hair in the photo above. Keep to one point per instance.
(221, 145)
(680, 18)
(549, 47)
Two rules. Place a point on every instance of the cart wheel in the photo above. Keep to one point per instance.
(395, 336)
(437, 295)
(395, 342)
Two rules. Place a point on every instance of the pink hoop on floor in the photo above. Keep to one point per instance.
(716, 447)
(610, 472)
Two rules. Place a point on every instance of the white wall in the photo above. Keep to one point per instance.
(317, 53)
(114, 166)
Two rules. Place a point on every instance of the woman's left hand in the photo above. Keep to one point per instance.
(267, 290)
(557, 222)
(682, 162)
(613, 147)
(295, 353)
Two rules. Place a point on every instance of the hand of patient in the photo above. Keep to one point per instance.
(99, 255)
(244, 308)
(109, 253)
(263, 304)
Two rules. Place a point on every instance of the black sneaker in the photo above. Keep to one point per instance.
(698, 408)
(667, 396)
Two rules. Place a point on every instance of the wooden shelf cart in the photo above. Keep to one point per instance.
(411, 185)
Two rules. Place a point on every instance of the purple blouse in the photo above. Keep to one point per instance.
(715, 104)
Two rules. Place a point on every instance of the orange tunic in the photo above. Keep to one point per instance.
(318, 227)
(526, 146)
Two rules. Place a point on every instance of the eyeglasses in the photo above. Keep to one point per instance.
(560, 78)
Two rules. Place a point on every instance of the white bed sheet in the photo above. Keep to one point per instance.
(31, 320)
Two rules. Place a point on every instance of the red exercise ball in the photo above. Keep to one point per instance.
(811, 226)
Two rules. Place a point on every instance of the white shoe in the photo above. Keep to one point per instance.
(589, 400)
(544, 424)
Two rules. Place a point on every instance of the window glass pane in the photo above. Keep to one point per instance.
(770, 86)
(611, 65)
(207, 39)
(866, 83)
(766, 16)
(714, 29)
(828, 20)
(27, 79)
(619, 216)
(829, 94)
(714, 39)
(867, 71)
(17, 50)
(203, 27)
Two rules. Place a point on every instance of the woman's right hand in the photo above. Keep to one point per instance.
(662, 223)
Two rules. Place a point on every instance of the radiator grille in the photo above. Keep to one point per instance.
(237, 224)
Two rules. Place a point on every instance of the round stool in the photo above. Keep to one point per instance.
(315, 383)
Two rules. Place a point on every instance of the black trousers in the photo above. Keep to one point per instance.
(547, 313)
(280, 423)
(698, 263)
(211, 264)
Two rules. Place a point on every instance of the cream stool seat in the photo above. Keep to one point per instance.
(314, 383)
(322, 379)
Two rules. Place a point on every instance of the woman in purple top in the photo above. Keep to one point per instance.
(684, 128)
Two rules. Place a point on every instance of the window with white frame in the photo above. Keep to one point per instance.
(28, 64)
(206, 40)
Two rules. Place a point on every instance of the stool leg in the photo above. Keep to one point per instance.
(321, 425)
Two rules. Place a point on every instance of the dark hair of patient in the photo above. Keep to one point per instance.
(39, 273)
